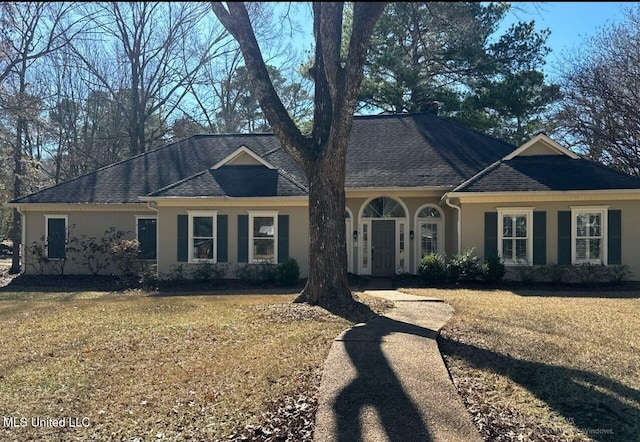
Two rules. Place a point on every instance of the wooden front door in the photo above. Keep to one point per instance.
(383, 248)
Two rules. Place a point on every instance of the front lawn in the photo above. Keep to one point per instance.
(545, 366)
(127, 365)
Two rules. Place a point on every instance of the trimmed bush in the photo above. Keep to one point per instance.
(263, 272)
(492, 270)
(288, 272)
(206, 271)
(463, 266)
(432, 269)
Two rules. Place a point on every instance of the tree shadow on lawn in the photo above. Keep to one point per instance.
(591, 401)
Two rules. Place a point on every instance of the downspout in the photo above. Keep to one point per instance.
(23, 234)
(459, 221)
(152, 205)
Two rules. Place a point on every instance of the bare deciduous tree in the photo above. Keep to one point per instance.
(322, 153)
(600, 112)
(154, 51)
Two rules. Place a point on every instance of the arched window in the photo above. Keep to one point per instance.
(430, 226)
(384, 207)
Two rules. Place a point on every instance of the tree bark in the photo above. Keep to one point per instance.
(322, 154)
(327, 283)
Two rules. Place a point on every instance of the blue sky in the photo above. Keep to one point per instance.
(570, 23)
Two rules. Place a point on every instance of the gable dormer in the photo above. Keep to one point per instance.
(243, 156)
(541, 145)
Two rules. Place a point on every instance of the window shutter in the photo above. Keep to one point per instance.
(614, 237)
(283, 238)
(490, 235)
(222, 238)
(56, 241)
(564, 237)
(539, 238)
(147, 237)
(243, 238)
(183, 238)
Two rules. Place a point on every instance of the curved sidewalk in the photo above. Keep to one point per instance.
(386, 381)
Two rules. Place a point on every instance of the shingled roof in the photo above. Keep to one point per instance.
(548, 173)
(402, 150)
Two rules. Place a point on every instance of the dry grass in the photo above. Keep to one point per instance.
(563, 367)
(154, 368)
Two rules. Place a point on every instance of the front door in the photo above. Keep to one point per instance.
(383, 248)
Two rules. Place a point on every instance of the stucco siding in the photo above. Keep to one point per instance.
(473, 226)
(168, 228)
(79, 223)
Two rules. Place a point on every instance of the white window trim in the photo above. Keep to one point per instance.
(138, 218)
(362, 270)
(416, 236)
(604, 212)
(263, 214)
(349, 224)
(517, 211)
(46, 234)
(212, 214)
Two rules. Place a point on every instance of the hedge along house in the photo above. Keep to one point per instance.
(415, 184)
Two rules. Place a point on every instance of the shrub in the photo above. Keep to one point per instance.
(463, 266)
(206, 271)
(492, 270)
(527, 273)
(432, 269)
(288, 272)
(125, 256)
(554, 273)
(588, 273)
(617, 274)
(263, 272)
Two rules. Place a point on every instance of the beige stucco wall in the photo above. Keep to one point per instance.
(473, 225)
(168, 230)
(83, 221)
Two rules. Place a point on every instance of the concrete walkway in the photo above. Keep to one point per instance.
(385, 380)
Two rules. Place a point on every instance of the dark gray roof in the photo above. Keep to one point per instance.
(547, 173)
(126, 181)
(404, 150)
(417, 150)
(235, 181)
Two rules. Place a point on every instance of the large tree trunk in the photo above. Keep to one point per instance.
(327, 284)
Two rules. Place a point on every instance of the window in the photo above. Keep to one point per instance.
(56, 236)
(588, 235)
(202, 241)
(515, 238)
(146, 230)
(383, 207)
(430, 227)
(263, 228)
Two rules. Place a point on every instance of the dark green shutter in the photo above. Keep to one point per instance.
(564, 237)
(614, 237)
(243, 238)
(490, 235)
(539, 238)
(222, 238)
(183, 238)
(283, 238)
(147, 237)
(56, 241)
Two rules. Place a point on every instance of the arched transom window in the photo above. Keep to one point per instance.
(384, 207)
